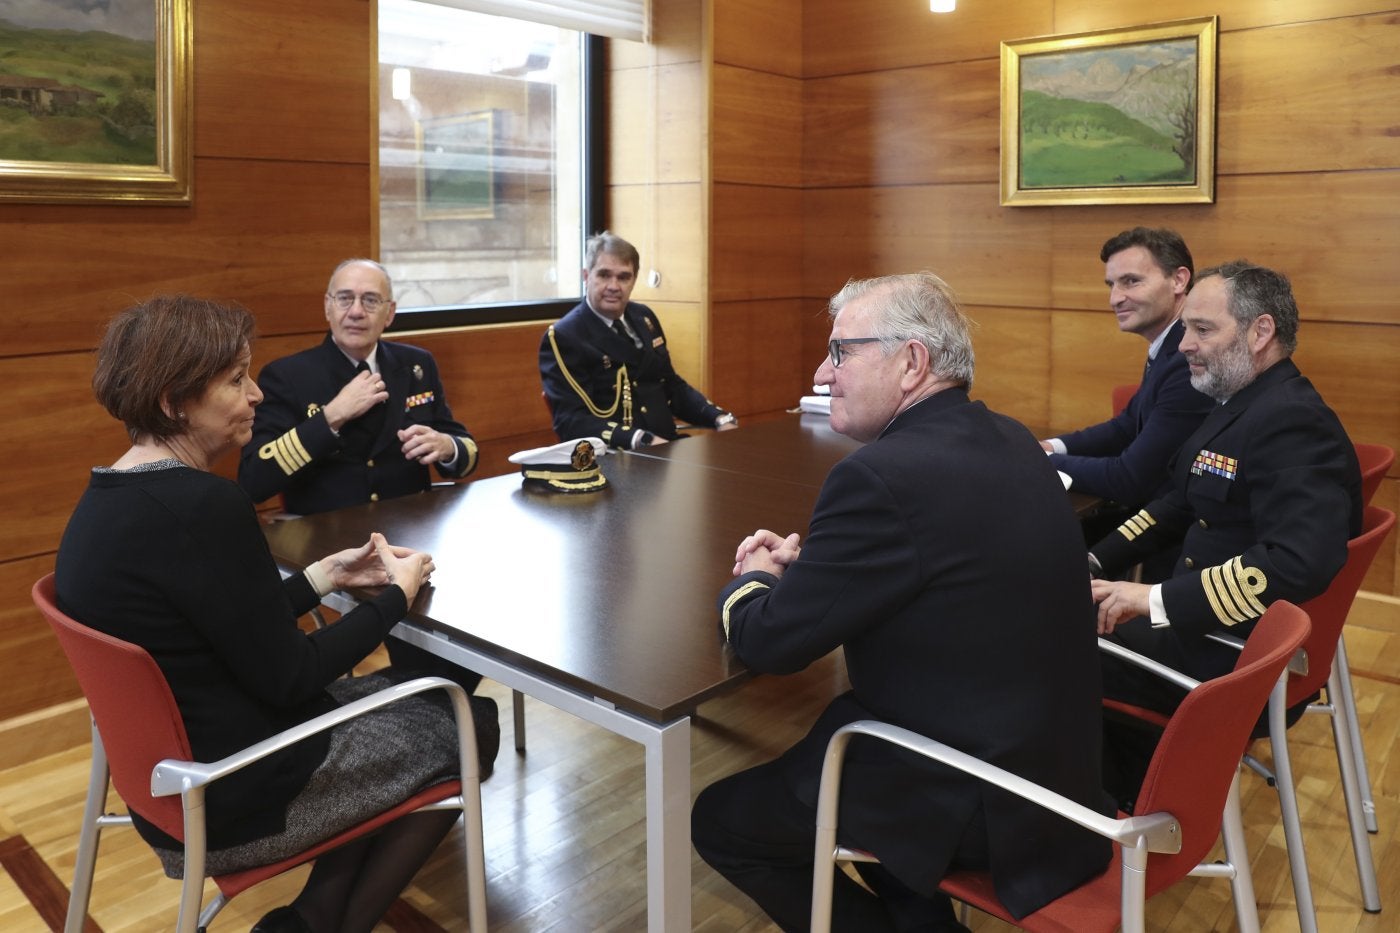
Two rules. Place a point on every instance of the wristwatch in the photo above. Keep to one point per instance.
(726, 418)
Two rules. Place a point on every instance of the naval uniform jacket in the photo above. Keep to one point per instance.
(294, 451)
(1265, 495)
(913, 540)
(1128, 458)
(601, 384)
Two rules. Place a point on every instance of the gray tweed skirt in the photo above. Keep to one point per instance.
(375, 762)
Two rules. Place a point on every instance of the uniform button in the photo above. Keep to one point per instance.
(644, 409)
(370, 464)
(374, 497)
(1190, 563)
(1202, 522)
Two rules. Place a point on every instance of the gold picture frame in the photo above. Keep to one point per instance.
(1115, 116)
(457, 166)
(110, 122)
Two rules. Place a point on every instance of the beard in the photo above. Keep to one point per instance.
(1229, 371)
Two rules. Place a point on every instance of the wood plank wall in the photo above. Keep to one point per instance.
(759, 154)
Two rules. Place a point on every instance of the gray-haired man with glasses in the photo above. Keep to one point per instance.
(905, 567)
(354, 419)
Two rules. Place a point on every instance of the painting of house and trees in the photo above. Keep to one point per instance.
(78, 82)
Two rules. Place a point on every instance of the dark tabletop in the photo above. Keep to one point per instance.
(612, 592)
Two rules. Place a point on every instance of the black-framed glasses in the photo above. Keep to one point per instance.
(836, 348)
(370, 301)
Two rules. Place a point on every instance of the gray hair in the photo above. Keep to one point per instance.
(613, 245)
(1252, 291)
(917, 306)
(361, 261)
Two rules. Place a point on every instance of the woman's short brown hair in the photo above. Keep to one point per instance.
(160, 354)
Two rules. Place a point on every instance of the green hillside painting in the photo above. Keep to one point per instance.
(77, 97)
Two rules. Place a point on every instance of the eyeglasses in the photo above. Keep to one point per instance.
(370, 301)
(836, 348)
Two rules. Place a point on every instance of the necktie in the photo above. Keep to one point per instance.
(360, 435)
(621, 330)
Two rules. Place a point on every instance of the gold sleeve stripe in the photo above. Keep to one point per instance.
(1233, 591)
(287, 451)
(734, 597)
(1136, 525)
(471, 447)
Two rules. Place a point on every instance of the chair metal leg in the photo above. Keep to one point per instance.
(517, 703)
(1345, 700)
(88, 838)
(1237, 855)
(1288, 807)
(192, 886)
(1351, 790)
(1133, 895)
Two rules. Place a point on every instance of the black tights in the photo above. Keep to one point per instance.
(351, 888)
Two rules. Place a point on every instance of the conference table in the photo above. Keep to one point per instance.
(601, 604)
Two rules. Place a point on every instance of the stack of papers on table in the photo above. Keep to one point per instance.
(818, 403)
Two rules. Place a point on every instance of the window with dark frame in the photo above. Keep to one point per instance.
(490, 169)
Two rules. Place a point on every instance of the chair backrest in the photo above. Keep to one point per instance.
(1122, 395)
(1375, 460)
(1201, 747)
(1329, 611)
(131, 704)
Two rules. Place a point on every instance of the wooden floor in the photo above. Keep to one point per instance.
(565, 833)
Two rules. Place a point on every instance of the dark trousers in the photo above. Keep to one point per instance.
(754, 831)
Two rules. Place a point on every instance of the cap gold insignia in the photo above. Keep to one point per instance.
(582, 458)
(417, 371)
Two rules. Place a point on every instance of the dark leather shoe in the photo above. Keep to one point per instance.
(487, 723)
(281, 920)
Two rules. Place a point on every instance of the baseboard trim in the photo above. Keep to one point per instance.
(44, 732)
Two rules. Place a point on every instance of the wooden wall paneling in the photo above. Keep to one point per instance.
(37, 674)
(656, 129)
(667, 225)
(759, 360)
(1313, 97)
(288, 81)
(756, 242)
(677, 31)
(1354, 367)
(1239, 14)
(264, 233)
(764, 35)
(882, 128)
(1333, 233)
(1088, 357)
(990, 255)
(56, 433)
(757, 137)
(1013, 365)
(840, 37)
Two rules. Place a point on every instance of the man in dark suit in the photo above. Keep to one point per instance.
(605, 365)
(1125, 459)
(356, 419)
(1263, 498)
(912, 539)
(353, 419)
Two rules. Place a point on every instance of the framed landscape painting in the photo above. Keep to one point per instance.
(456, 167)
(1117, 116)
(95, 101)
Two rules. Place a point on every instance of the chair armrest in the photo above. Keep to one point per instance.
(172, 776)
(1153, 667)
(1159, 831)
(1298, 664)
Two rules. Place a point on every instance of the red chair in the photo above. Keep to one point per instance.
(1193, 778)
(1122, 395)
(1375, 460)
(138, 732)
(1324, 669)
